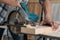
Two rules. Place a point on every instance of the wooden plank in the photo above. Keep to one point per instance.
(55, 1)
(3, 27)
(38, 1)
(44, 30)
(36, 30)
(33, 0)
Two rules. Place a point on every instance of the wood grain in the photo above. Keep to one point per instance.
(38, 0)
(38, 30)
(5, 27)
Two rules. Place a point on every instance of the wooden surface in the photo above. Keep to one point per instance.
(38, 1)
(56, 1)
(3, 27)
(40, 30)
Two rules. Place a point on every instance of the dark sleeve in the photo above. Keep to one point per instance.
(41, 1)
(1, 32)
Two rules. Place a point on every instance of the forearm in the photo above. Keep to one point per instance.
(47, 6)
(10, 2)
(1, 1)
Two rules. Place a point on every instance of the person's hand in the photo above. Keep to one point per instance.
(12, 2)
(53, 25)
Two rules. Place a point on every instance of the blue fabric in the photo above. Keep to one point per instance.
(31, 16)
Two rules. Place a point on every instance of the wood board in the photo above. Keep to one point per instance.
(44, 30)
(5, 27)
(55, 1)
(38, 1)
